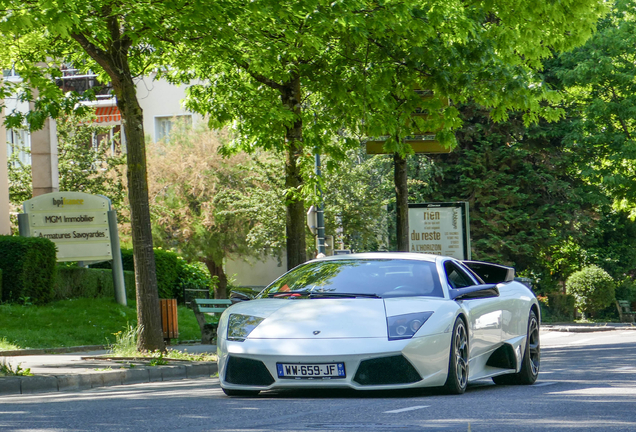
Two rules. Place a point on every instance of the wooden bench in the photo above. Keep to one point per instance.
(624, 311)
(202, 307)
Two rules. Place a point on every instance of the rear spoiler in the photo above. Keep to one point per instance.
(491, 273)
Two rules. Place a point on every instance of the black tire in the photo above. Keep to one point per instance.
(244, 393)
(531, 358)
(458, 364)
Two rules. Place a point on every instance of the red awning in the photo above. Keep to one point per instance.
(107, 114)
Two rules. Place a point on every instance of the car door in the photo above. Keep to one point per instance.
(484, 314)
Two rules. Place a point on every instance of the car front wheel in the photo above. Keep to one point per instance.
(458, 365)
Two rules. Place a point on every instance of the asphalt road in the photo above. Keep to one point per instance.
(587, 382)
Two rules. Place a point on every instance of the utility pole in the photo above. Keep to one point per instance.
(320, 213)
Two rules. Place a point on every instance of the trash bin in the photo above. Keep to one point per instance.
(169, 319)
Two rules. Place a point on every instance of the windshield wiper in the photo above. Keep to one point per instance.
(338, 294)
(287, 294)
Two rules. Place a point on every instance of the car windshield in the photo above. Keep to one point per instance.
(358, 278)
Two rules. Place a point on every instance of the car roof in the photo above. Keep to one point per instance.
(383, 255)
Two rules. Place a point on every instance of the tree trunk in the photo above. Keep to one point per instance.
(220, 291)
(148, 314)
(295, 205)
(114, 61)
(401, 202)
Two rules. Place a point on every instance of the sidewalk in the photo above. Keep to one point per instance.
(73, 371)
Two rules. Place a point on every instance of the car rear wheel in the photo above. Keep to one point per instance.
(531, 358)
(458, 365)
(244, 393)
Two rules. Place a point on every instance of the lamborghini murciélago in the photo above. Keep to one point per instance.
(382, 321)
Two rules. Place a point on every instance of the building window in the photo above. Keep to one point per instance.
(19, 146)
(164, 125)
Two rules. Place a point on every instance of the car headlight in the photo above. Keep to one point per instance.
(240, 326)
(405, 326)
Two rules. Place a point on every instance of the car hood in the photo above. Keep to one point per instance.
(317, 318)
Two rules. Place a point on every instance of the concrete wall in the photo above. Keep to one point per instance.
(161, 99)
(255, 272)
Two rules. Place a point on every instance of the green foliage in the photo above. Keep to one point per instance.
(7, 370)
(125, 344)
(600, 80)
(626, 290)
(156, 359)
(96, 167)
(28, 269)
(77, 282)
(560, 307)
(7, 346)
(208, 207)
(304, 75)
(193, 276)
(82, 166)
(592, 288)
(173, 273)
(357, 189)
(521, 194)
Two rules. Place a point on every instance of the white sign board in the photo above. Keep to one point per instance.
(440, 229)
(76, 222)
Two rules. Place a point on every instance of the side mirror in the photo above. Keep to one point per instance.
(474, 292)
(238, 297)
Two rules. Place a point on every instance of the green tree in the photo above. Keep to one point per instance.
(87, 162)
(600, 80)
(208, 207)
(117, 39)
(357, 191)
(291, 75)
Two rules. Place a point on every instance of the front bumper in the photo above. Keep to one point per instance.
(370, 363)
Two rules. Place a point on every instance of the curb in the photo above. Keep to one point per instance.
(588, 328)
(44, 351)
(76, 382)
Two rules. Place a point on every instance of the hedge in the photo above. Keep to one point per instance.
(28, 269)
(172, 271)
(81, 282)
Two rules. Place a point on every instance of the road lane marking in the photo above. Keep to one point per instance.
(579, 342)
(555, 335)
(406, 409)
(543, 384)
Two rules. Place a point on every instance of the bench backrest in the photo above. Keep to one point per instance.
(624, 305)
(211, 305)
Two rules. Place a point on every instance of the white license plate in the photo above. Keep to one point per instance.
(311, 371)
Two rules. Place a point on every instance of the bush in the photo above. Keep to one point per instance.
(560, 306)
(592, 288)
(192, 276)
(81, 282)
(626, 290)
(173, 273)
(28, 269)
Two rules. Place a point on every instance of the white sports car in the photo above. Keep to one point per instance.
(382, 321)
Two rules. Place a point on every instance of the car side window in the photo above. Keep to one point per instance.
(457, 278)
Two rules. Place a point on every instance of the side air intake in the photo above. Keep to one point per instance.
(247, 372)
(386, 370)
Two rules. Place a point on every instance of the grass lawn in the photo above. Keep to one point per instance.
(75, 322)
